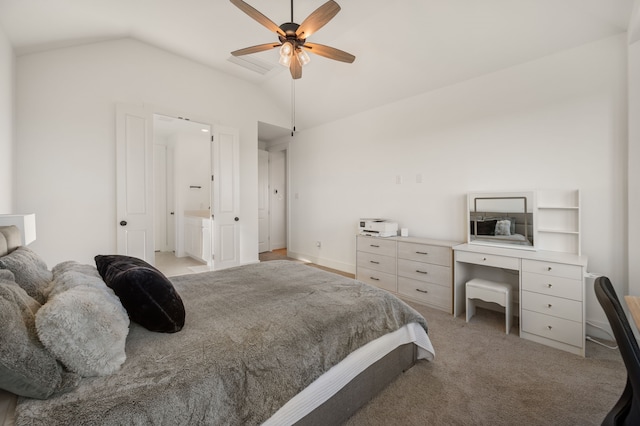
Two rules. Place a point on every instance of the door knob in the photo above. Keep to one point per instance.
(123, 223)
(236, 218)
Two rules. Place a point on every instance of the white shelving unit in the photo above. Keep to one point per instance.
(559, 221)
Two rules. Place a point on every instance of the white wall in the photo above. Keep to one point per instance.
(634, 150)
(65, 151)
(7, 97)
(557, 122)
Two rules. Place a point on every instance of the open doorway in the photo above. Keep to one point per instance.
(273, 142)
(182, 195)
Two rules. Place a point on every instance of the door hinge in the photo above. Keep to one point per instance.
(211, 138)
(211, 178)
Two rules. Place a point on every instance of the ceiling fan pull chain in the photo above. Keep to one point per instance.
(293, 106)
(291, 10)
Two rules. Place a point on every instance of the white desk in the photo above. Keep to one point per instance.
(550, 286)
(633, 302)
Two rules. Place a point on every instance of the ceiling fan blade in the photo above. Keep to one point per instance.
(317, 19)
(329, 52)
(255, 49)
(255, 14)
(295, 68)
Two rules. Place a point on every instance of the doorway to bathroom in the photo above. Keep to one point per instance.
(182, 194)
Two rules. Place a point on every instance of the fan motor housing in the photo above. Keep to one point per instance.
(290, 29)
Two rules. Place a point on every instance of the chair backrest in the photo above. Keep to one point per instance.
(625, 339)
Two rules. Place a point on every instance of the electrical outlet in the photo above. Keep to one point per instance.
(318, 244)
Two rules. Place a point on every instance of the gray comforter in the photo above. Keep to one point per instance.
(254, 337)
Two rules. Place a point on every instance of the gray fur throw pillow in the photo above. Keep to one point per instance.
(26, 367)
(30, 272)
(83, 324)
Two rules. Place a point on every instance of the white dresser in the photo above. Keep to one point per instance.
(550, 285)
(419, 269)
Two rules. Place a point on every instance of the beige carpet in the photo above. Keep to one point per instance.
(482, 376)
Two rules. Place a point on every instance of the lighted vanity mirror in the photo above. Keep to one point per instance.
(502, 219)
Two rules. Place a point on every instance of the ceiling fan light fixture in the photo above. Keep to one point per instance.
(286, 51)
(292, 37)
(302, 56)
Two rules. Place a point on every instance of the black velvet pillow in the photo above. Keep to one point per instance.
(485, 227)
(148, 296)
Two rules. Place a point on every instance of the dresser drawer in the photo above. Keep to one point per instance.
(488, 260)
(558, 329)
(425, 292)
(553, 286)
(573, 272)
(549, 305)
(436, 274)
(377, 245)
(377, 278)
(377, 262)
(425, 253)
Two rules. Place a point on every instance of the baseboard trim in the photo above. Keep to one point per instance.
(328, 263)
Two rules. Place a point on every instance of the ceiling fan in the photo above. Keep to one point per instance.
(293, 37)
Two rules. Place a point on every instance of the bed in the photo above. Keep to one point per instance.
(276, 343)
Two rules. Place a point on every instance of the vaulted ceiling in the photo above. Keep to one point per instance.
(402, 47)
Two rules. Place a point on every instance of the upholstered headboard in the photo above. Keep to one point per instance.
(9, 239)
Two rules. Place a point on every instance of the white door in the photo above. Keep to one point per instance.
(225, 161)
(134, 182)
(263, 201)
(278, 199)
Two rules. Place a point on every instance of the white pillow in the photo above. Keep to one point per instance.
(503, 227)
(83, 324)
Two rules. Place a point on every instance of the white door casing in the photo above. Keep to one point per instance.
(263, 201)
(134, 181)
(225, 161)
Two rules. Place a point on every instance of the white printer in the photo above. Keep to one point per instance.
(377, 228)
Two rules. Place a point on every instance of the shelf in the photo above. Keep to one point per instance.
(558, 220)
(559, 231)
(558, 208)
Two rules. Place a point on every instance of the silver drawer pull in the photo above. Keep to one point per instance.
(421, 291)
(421, 272)
(373, 245)
(374, 262)
(549, 268)
(549, 327)
(375, 279)
(421, 252)
(549, 285)
(549, 306)
(484, 258)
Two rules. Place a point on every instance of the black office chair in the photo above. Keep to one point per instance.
(627, 409)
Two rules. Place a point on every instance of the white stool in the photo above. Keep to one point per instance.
(489, 291)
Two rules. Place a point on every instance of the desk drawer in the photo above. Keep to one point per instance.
(377, 245)
(573, 272)
(429, 293)
(377, 278)
(552, 286)
(435, 274)
(558, 329)
(488, 260)
(555, 306)
(377, 261)
(425, 253)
